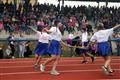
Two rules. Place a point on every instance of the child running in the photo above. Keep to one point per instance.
(54, 49)
(102, 36)
(42, 46)
(84, 43)
(93, 48)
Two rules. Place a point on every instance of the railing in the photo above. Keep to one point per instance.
(71, 50)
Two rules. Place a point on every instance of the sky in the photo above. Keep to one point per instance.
(76, 3)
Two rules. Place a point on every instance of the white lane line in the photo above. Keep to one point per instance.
(99, 57)
(60, 61)
(64, 71)
(108, 79)
(62, 65)
(65, 58)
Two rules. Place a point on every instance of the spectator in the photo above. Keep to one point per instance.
(1, 26)
(7, 53)
(28, 51)
(11, 44)
(117, 37)
(1, 52)
(21, 47)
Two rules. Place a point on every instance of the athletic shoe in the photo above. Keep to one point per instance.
(54, 72)
(105, 69)
(111, 71)
(42, 68)
(36, 66)
(84, 62)
(13, 57)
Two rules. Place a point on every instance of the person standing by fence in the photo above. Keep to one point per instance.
(11, 44)
(21, 47)
(1, 52)
(117, 39)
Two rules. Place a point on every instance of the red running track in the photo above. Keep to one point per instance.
(70, 69)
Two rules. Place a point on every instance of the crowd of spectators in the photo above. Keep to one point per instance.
(16, 19)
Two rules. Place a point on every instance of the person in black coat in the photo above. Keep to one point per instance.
(28, 51)
(1, 53)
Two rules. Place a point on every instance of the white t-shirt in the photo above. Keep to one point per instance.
(43, 37)
(84, 37)
(70, 36)
(102, 35)
(55, 34)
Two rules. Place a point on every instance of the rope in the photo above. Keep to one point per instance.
(72, 46)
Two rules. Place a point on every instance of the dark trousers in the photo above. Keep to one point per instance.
(12, 49)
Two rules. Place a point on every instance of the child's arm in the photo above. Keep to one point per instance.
(81, 46)
(116, 27)
(89, 45)
(65, 44)
(73, 46)
(48, 31)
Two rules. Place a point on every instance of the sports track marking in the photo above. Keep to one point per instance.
(67, 73)
(13, 62)
(62, 65)
(64, 71)
(61, 60)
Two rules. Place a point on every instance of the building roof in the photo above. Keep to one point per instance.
(96, 0)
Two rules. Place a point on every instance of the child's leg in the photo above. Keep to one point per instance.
(89, 54)
(84, 57)
(53, 57)
(42, 66)
(56, 62)
(53, 71)
(37, 60)
(107, 61)
(92, 57)
(107, 67)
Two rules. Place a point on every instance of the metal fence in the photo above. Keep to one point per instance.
(67, 51)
